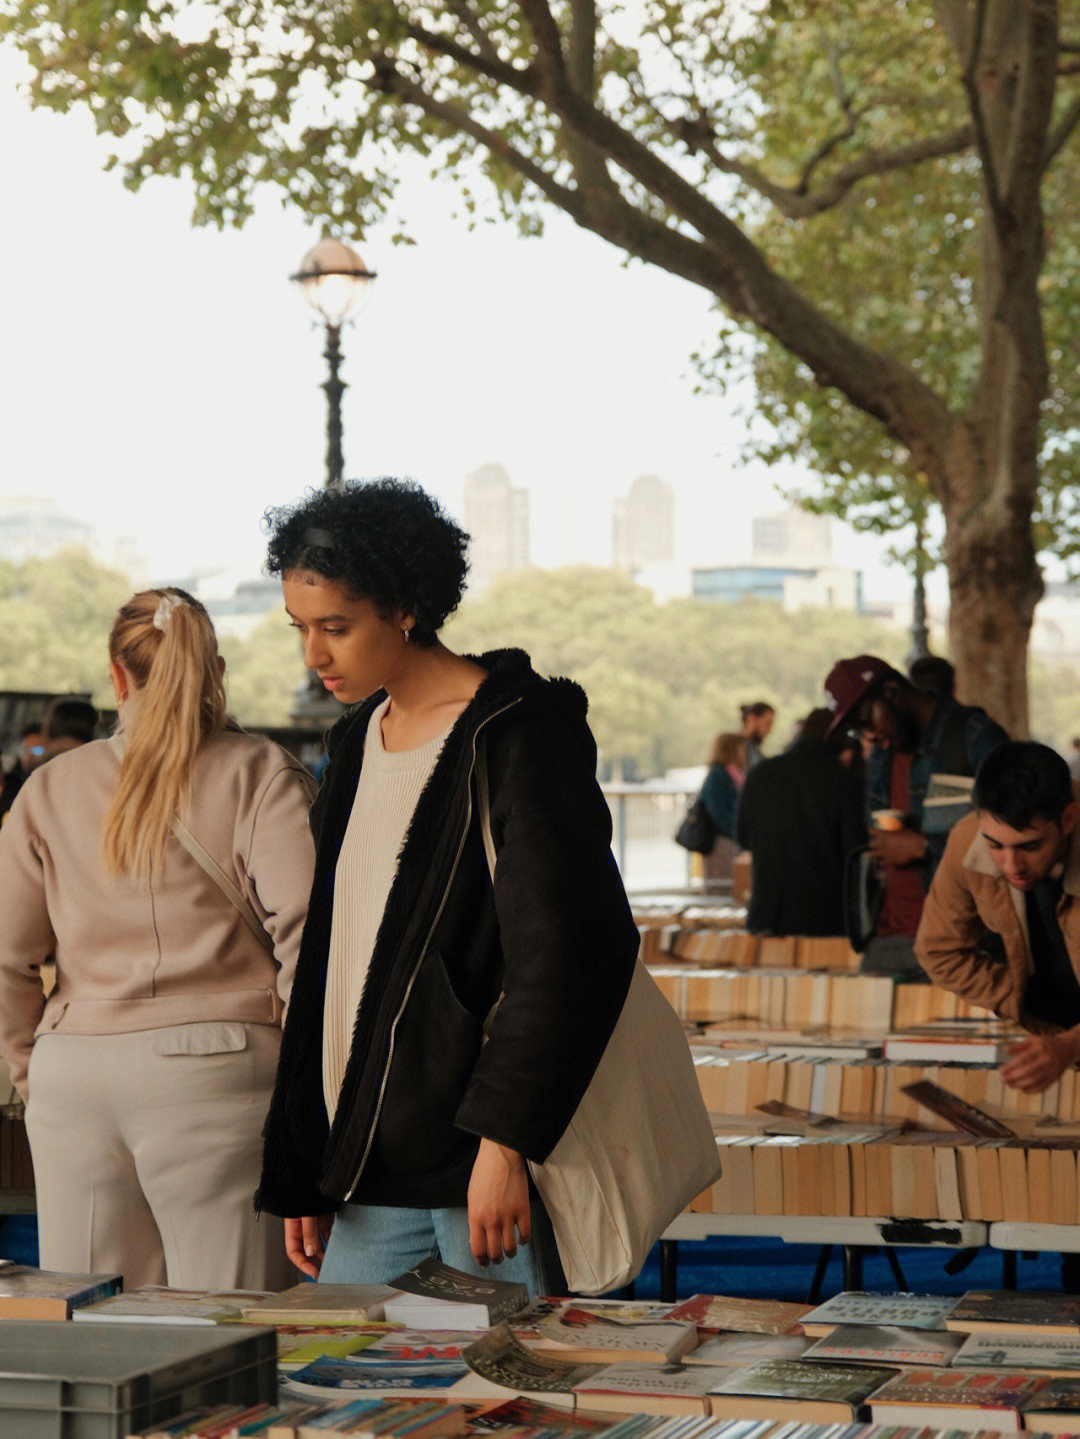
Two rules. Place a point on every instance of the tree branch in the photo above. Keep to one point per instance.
(797, 205)
(982, 139)
(472, 26)
(1062, 132)
(549, 53)
(492, 68)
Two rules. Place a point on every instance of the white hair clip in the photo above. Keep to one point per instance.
(166, 605)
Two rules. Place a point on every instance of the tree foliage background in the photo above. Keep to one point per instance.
(881, 195)
(662, 679)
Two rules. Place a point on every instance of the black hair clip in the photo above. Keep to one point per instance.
(315, 539)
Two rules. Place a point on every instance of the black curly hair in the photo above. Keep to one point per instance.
(384, 540)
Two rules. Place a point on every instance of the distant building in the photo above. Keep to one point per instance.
(792, 537)
(791, 561)
(497, 519)
(33, 528)
(643, 525)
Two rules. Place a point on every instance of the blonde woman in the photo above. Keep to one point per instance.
(148, 1069)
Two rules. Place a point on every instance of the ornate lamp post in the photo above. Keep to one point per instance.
(335, 281)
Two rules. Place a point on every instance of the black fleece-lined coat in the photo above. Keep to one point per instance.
(554, 937)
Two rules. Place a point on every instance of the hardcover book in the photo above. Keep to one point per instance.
(1007, 1311)
(887, 1344)
(954, 1399)
(751, 1316)
(432, 1294)
(29, 1293)
(853, 1306)
(823, 1393)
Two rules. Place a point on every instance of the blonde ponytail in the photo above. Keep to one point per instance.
(166, 643)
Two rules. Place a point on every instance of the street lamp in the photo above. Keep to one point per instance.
(334, 280)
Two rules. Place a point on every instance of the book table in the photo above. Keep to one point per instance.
(853, 1234)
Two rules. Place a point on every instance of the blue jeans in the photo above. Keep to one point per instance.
(373, 1243)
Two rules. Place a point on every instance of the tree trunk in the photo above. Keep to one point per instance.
(994, 585)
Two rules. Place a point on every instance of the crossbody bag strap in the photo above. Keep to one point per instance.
(207, 862)
(210, 866)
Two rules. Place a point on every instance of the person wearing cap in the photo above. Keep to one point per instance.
(925, 751)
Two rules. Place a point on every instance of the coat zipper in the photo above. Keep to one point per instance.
(424, 948)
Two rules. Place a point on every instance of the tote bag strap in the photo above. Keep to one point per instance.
(210, 866)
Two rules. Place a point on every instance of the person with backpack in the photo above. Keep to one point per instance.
(925, 751)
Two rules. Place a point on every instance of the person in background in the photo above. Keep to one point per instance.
(1074, 758)
(69, 722)
(800, 814)
(925, 751)
(30, 754)
(934, 674)
(148, 1069)
(757, 722)
(720, 792)
(447, 1017)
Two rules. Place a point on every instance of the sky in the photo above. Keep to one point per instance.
(163, 381)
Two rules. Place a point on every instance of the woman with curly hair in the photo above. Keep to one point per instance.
(445, 1022)
(148, 1068)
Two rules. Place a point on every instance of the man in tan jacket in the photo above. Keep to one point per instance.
(1001, 923)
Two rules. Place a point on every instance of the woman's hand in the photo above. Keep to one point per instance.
(498, 1203)
(305, 1241)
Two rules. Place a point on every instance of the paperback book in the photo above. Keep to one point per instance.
(887, 1344)
(579, 1333)
(854, 1306)
(1009, 1311)
(157, 1304)
(1055, 1407)
(29, 1293)
(822, 1393)
(434, 1295)
(633, 1388)
(503, 1360)
(740, 1350)
(956, 1111)
(953, 1041)
(750, 1316)
(351, 1304)
(954, 1399)
(388, 1377)
(1046, 1353)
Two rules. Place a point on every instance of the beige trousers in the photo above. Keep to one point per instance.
(146, 1151)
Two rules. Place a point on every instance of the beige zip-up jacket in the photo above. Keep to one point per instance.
(130, 955)
(969, 896)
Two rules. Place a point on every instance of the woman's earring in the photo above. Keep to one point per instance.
(405, 633)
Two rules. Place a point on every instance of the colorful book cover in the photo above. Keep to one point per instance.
(751, 1316)
(29, 1293)
(1022, 1350)
(1037, 1310)
(887, 1344)
(854, 1306)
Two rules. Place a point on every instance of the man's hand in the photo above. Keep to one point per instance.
(1036, 1062)
(305, 1242)
(898, 846)
(498, 1203)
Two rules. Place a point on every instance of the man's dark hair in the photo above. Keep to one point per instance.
(757, 709)
(934, 674)
(1022, 781)
(29, 728)
(386, 541)
(70, 718)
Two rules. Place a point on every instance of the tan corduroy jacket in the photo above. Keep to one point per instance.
(968, 897)
(134, 956)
